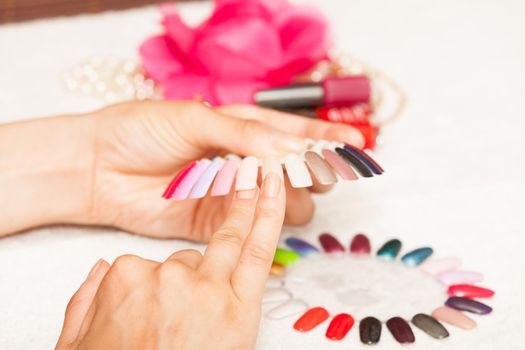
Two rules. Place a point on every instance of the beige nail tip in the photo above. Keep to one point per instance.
(453, 317)
(272, 164)
(320, 168)
(297, 171)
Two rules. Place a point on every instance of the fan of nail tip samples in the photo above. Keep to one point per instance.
(323, 160)
(460, 289)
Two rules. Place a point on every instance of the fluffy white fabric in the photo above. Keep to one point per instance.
(454, 162)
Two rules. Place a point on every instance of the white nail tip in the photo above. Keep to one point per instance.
(272, 295)
(297, 171)
(287, 309)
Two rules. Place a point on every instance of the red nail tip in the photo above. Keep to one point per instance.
(311, 319)
(168, 193)
(330, 244)
(360, 244)
(469, 291)
(339, 327)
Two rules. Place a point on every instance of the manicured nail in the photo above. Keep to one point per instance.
(224, 180)
(272, 164)
(417, 256)
(469, 305)
(301, 247)
(95, 268)
(311, 319)
(460, 277)
(320, 168)
(297, 171)
(330, 244)
(272, 185)
(364, 159)
(469, 291)
(188, 181)
(401, 330)
(202, 186)
(437, 266)
(358, 165)
(370, 330)
(339, 327)
(430, 326)
(390, 249)
(284, 256)
(360, 244)
(339, 164)
(453, 317)
(168, 193)
(247, 174)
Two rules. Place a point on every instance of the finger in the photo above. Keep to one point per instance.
(299, 205)
(241, 136)
(222, 253)
(249, 278)
(80, 302)
(297, 125)
(189, 257)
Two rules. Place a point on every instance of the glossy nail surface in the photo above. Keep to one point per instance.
(453, 317)
(330, 244)
(320, 168)
(301, 247)
(469, 305)
(390, 249)
(203, 184)
(469, 291)
(356, 163)
(417, 256)
(372, 165)
(285, 256)
(460, 277)
(272, 164)
(430, 326)
(277, 270)
(370, 330)
(339, 326)
(247, 174)
(186, 184)
(287, 309)
(224, 179)
(311, 319)
(340, 166)
(297, 171)
(271, 185)
(177, 179)
(368, 157)
(401, 330)
(437, 266)
(360, 244)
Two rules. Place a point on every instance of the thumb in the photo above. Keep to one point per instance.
(79, 304)
(211, 129)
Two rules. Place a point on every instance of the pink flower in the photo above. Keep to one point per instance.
(243, 46)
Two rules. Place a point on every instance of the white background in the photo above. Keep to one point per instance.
(455, 161)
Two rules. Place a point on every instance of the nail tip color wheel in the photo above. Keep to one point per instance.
(459, 289)
(320, 162)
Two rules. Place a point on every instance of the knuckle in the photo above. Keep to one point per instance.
(259, 255)
(230, 236)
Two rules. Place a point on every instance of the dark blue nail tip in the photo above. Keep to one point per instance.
(469, 305)
(301, 247)
(417, 256)
(364, 158)
(355, 162)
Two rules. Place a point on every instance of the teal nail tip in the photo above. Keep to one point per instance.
(417, 256)
(390, 249)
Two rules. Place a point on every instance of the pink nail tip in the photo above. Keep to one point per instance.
(224, 179)
(459, 277)
(437, 266)
(247, 175)
(168, 193)
(187, 183)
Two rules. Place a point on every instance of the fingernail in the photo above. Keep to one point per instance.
(246, 194)
(95, 268)
(271, 185)
(247, 174)
(272, 164)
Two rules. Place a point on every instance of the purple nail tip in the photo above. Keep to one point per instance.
(469, 305)
(401, 330)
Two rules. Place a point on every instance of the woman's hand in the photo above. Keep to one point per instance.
(189, 301)
(140, 146)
